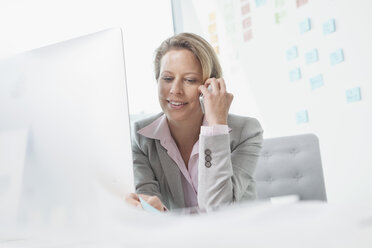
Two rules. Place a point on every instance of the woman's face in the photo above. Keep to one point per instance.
(179, 79)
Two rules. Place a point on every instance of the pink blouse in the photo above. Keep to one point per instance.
(159, 130)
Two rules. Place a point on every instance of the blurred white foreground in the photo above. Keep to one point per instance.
(310, 224)
(64, 130)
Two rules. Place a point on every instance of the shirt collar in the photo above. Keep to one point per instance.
(157, 129)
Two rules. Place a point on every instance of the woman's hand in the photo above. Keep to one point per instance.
(216, 102)
(133, 199)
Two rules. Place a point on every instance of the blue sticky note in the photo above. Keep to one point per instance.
(329, 26)
(305, 26)
(353, 95)
(312, 56)
(302, 117)
(147, 207)
(260, 3)
(295, 74)
(337, 57)
(292, 53)
(316, 82)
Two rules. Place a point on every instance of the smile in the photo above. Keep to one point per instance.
(176, 105)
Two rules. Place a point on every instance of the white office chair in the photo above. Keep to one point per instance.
(290, 166)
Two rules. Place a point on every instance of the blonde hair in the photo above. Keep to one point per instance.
(202, 50)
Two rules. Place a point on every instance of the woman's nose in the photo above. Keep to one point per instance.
(177, 87)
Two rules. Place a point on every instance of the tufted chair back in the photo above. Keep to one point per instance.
(290, 166)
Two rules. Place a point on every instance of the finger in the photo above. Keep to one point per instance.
(215, 86)
(148, 198)
(153, 201)
(212, 84)
(231, 97)
(154, 197)
(133, 202)
(208, 81)
(156, 203)
(133, 196)
(144, 197)
(222, 84)
(203, 90)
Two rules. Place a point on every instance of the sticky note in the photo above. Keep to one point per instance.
(353, 95)
(248, 35)
(295, 74)
(316, 82)
(292, 53)
(212, 17)
(337, 57)
(247, 22)
(214, 38)
(260, 3)
(245, 9)
(300, 3)
(305, 26)
(212, 28)
(302, 117)
(147, 207)
(329, 26)
(280, 16)
(312, 56)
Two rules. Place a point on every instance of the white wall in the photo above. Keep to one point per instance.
(257, 73)
(29, 24)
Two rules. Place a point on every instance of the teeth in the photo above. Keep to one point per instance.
(177, 103)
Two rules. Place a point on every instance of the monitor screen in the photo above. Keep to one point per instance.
(64, 108)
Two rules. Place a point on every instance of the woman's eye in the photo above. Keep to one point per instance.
(167, 78)
(190, 80)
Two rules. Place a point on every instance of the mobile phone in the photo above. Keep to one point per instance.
(201, 99)
(147, 207)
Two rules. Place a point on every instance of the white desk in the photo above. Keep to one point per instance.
(307, 224)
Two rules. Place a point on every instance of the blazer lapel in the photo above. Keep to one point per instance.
(172, 174)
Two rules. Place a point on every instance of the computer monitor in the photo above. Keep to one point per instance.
(71, 98)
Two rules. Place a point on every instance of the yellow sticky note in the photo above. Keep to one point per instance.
(214, 38)
(212, 28)
(212, 17)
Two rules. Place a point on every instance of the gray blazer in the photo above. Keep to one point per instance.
(226, 178)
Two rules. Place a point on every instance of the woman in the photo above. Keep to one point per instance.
(182, 157)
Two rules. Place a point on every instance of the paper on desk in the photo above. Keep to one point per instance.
(286, 199)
